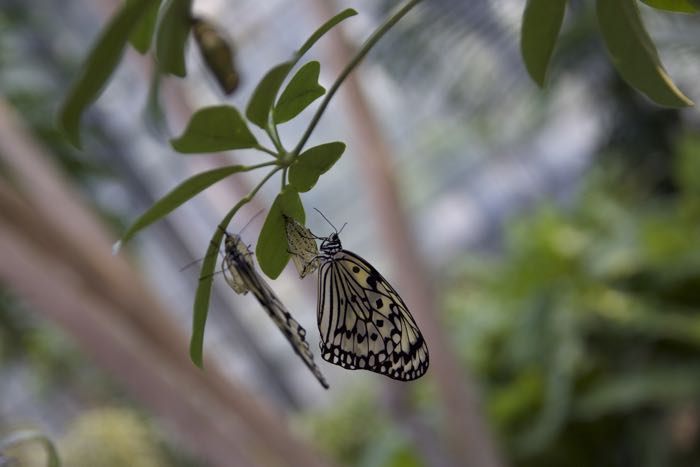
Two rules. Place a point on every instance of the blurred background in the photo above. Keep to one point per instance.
(546, 242)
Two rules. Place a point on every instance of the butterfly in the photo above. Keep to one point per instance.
(364, 323)
(240, 274)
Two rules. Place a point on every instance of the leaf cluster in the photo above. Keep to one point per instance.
(629, 45)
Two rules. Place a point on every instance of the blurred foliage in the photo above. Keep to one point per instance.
(111, 438)
(586, 331)
(55, 361)
(358, 432)
(29, 437)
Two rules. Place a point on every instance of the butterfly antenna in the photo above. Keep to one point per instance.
(250, 221)
(193, 262)
(336, 230)
(341, 229)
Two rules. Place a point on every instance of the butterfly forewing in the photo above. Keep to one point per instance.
(364, 323)
(244, 277)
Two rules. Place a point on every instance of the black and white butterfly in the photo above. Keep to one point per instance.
(240, 273)
(364, 323)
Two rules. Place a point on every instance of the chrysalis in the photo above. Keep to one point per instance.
(218, 54)
(302, 247)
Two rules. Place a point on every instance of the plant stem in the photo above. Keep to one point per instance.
(271, 130)
(262, 148)
(284, 177)
(366, 47)
(246, 199)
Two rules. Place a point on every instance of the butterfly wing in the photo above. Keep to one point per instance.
(302, 246)
(364, 323)
(243, 267)
(236, 251)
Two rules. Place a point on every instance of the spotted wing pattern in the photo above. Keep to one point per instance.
(302, 247)
(240, 266)
(364, 323)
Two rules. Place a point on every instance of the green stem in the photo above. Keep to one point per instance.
(246, 199)
(366, 47)
(262, 148)
(271, 130)
(284, 177)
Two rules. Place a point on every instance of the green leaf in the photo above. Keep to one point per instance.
(271, 249)
(203, 294)
(142, 35)
(542, 21)
(212, 129)
(678, 6)
(312, 163)
(301, 91)
(634, 54)
(320, 32)
(265, 93)
(98, 67)
(171, 37)
(181, 193)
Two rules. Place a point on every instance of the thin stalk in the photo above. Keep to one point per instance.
(246, 199)
(271, 130)
(262, 148)
(366, 47)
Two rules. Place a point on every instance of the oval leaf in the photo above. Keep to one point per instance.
(542, 21)
(271, 249)
(265, 93)
(181, 193)
(312, 163)
(212, 129)
(320, 32)
(142, 34)
(97, 69)
(677, 6)
(634, 54)
(301, 91)
(171, 38)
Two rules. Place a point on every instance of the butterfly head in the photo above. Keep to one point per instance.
(331, 244)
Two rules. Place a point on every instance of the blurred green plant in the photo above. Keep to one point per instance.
(23, 437)
(587, 332)
(111, 437)
(359, 432)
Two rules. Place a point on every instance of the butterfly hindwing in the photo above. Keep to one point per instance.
(364, 323)
(243, 276)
